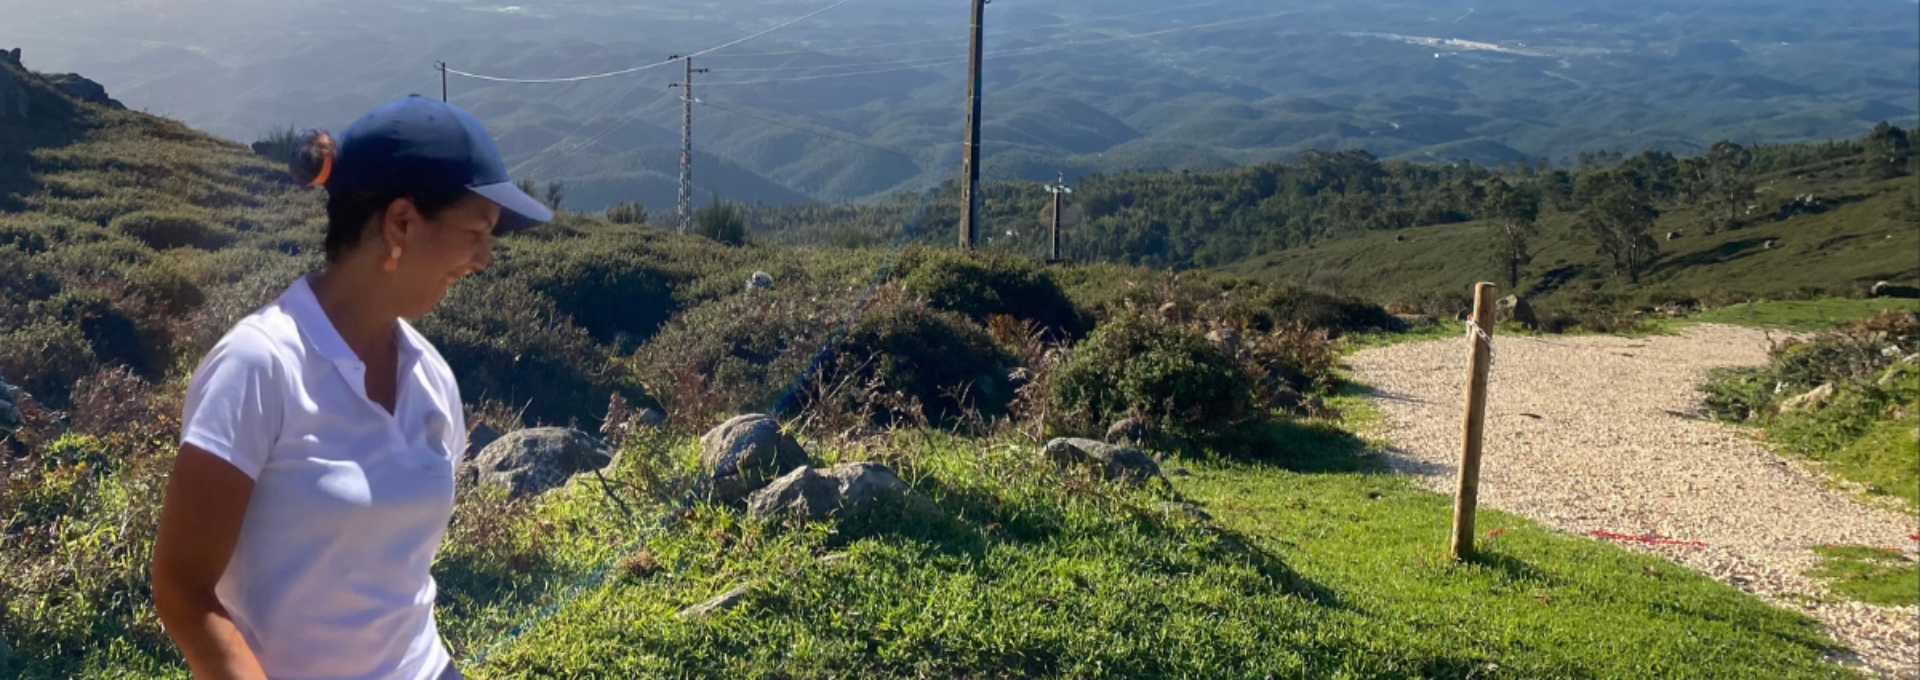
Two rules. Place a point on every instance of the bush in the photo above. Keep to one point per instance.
(982, 285)
(163, 230)
(735, 355)
(937, 359)
(45, 358)
(720, 222)
(1134, 367)
(513, 344)
(1336, 314)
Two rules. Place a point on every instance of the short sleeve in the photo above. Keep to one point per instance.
(233, 403)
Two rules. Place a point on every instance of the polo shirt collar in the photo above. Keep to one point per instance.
(304, 307)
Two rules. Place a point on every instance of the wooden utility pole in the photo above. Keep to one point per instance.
(443, 78)
(1479, 361)
(1057, 190)
(686, 144)
(970, 162)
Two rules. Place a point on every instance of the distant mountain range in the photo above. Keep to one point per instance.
(863, 101)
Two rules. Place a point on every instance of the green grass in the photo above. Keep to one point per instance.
(1321, 565)
(1837, 252)
(1801, 315)
(1870, 575)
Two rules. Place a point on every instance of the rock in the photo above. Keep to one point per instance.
(1129, 430)
(1400, 238)
(1115, 462)
(1672, 235)
(1412, 321)
(79, 87)
(1768, 245)
(1286, 398)
(759, 281)
(1226, 340)
(650, 417)
(721, 602)
(1516, 309)
(9, 409)
(481, 436)
(1889, 289)
(527, 462)
(1814, 398)
(838, 492)
(744, 454)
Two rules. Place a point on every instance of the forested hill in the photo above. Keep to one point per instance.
(1275, 217)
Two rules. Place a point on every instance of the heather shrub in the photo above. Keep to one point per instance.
(737, 354)
(513, 344)
(1134, 366)
(981, 285)
(163, 230)
(938, 359)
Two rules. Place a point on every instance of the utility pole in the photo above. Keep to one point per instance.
(970, 170)
(686, 144)
(443, 78)
(1057, 190)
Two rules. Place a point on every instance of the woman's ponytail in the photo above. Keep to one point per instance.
(312, 160)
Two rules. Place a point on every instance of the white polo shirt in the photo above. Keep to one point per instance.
(330, 578)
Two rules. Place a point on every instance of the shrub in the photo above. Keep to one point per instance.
(736, 354)
(1336, 314)
(720, 222)
(45, 358)
(513, 344)
(163, 230)
(938, 359)
(1132, 366)
(985, 284)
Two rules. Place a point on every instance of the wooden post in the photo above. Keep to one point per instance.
(1480, 358)
(970, 156)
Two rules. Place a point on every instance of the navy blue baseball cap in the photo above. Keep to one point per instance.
(425, 145)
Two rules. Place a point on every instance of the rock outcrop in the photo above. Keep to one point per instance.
(1113, 462)
(527, 462)
(744, 454)
(839, 492)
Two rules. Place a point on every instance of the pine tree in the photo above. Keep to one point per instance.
(1514, 211)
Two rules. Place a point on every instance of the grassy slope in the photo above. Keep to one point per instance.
(1322, 565)
(1835, 251)
(1870, 575)
(1801, 315)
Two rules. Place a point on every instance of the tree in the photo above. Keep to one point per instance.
(556, 193)
(1618, 221)
(1556, 187)
(627, 213)
(1887, 149)
(1729, 187)
(1514, 211)
(720, 222)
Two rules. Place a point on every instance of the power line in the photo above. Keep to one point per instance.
(595, 139)
(1017, 53)
(637, 69)
(770, 121)
(1026, 29)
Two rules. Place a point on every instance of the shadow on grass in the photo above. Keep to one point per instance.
(1308, 447)
(1513, 569)
(1722, 254)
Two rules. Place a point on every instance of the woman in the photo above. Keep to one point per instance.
(315, 475)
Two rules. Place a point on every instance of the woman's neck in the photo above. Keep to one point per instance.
(356, 309)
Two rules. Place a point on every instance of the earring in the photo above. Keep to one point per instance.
(393, 260)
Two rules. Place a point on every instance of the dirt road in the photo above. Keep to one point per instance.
(1605, 434)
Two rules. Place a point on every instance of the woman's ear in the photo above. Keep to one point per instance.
(400, 219)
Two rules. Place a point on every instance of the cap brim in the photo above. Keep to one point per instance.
(517, 210)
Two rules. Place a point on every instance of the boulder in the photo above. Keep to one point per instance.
(1889, 289)
(1114, 462)
(1130, 430)
(1413, 321)
(1286, 398)
(1673, 235)
(79, 87)
(744, 454)
(759, 281)
(1814, 398)
(1516, 309)
(9, 411)
(481, 436)
(527, 462)
(837, 492)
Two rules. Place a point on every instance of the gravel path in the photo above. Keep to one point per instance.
(1608, 434)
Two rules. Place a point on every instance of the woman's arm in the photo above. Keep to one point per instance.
(199, 525)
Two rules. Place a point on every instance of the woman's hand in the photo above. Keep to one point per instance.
(199, 525)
